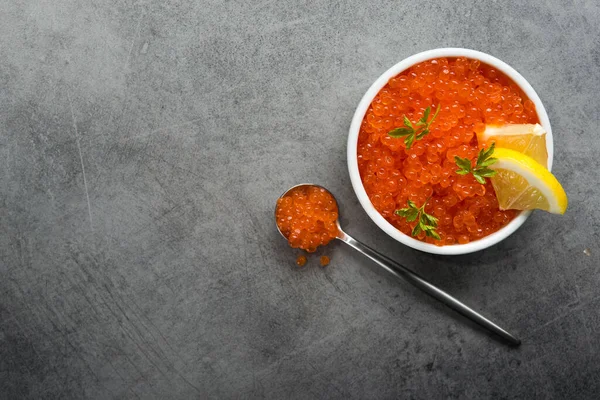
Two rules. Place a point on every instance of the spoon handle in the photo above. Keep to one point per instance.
(404, 273)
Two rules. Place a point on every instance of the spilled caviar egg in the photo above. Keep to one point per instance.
(301, 261)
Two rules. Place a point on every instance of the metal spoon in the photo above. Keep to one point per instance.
(416, 280)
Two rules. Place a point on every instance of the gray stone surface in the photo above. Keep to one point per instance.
(143, 145)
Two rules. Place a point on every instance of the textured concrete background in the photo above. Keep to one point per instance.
(143, 145)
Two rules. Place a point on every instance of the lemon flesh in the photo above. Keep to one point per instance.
(522, 183)
(529, 139)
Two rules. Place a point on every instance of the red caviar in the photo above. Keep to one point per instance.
(301, 261)
(324, 261)
(470, 94)
(307, 217)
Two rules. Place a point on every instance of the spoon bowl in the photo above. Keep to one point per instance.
(337, 221)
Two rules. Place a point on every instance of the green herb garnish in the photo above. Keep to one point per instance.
(480, 171)
(427, 223)
(416, 131)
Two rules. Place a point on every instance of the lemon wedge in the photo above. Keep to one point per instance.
(529, 139)
(521, 183)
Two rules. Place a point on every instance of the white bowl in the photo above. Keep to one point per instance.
(361, 110)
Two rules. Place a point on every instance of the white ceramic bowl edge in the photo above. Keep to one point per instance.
(361, 110)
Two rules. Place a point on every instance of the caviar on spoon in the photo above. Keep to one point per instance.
(307, 216)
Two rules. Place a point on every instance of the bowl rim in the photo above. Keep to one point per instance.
(361, 110)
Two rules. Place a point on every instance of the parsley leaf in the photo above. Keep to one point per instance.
(410, 132)
(425, 222)
(480, 171)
